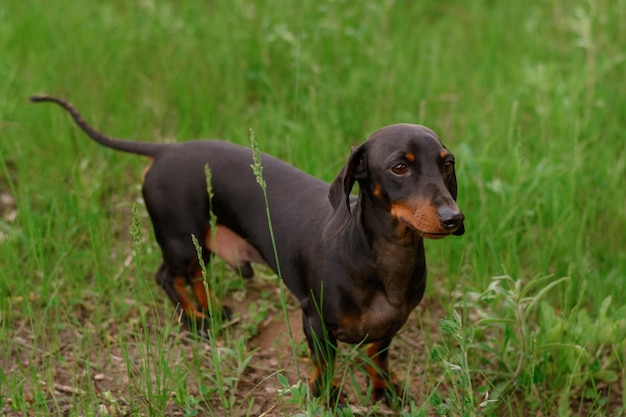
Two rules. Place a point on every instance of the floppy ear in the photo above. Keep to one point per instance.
(451, 184)
(339, 193)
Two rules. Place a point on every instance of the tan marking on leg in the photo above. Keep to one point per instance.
(377, 368)
(315, 380)
(180, 285)
(204, 296)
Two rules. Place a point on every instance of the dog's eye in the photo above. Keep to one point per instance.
(448, 167)
(399, 169)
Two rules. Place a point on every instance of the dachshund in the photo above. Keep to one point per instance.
(356, 263)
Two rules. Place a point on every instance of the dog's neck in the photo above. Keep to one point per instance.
(396, 251)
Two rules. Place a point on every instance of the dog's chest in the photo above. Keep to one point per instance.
(377, 320)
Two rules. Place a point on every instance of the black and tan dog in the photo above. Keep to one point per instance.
(355, 263)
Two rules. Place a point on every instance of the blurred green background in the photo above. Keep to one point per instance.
(529, 96)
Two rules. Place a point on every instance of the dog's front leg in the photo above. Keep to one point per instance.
(322, 346)
(384, 384)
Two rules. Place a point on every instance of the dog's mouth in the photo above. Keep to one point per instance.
(434, 235)
(440, 234)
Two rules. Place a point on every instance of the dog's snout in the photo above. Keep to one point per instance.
(451, 219)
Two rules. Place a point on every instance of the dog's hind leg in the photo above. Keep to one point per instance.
(181, 268)
(175, 286)
(208, 303)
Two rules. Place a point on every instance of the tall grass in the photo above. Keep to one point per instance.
(527, 95)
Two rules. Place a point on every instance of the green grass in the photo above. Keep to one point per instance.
(529, 96)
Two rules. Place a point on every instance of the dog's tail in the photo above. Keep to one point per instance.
(142, 148)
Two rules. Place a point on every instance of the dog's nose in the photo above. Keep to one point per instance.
(451, 219)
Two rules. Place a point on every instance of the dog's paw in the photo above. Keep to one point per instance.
(337, 397)
(205, 325)
(203, 333)
(245, 270)
(333, 393)
(395, 395)
(227, 313)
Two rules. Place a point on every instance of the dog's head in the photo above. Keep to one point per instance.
(406, 170)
